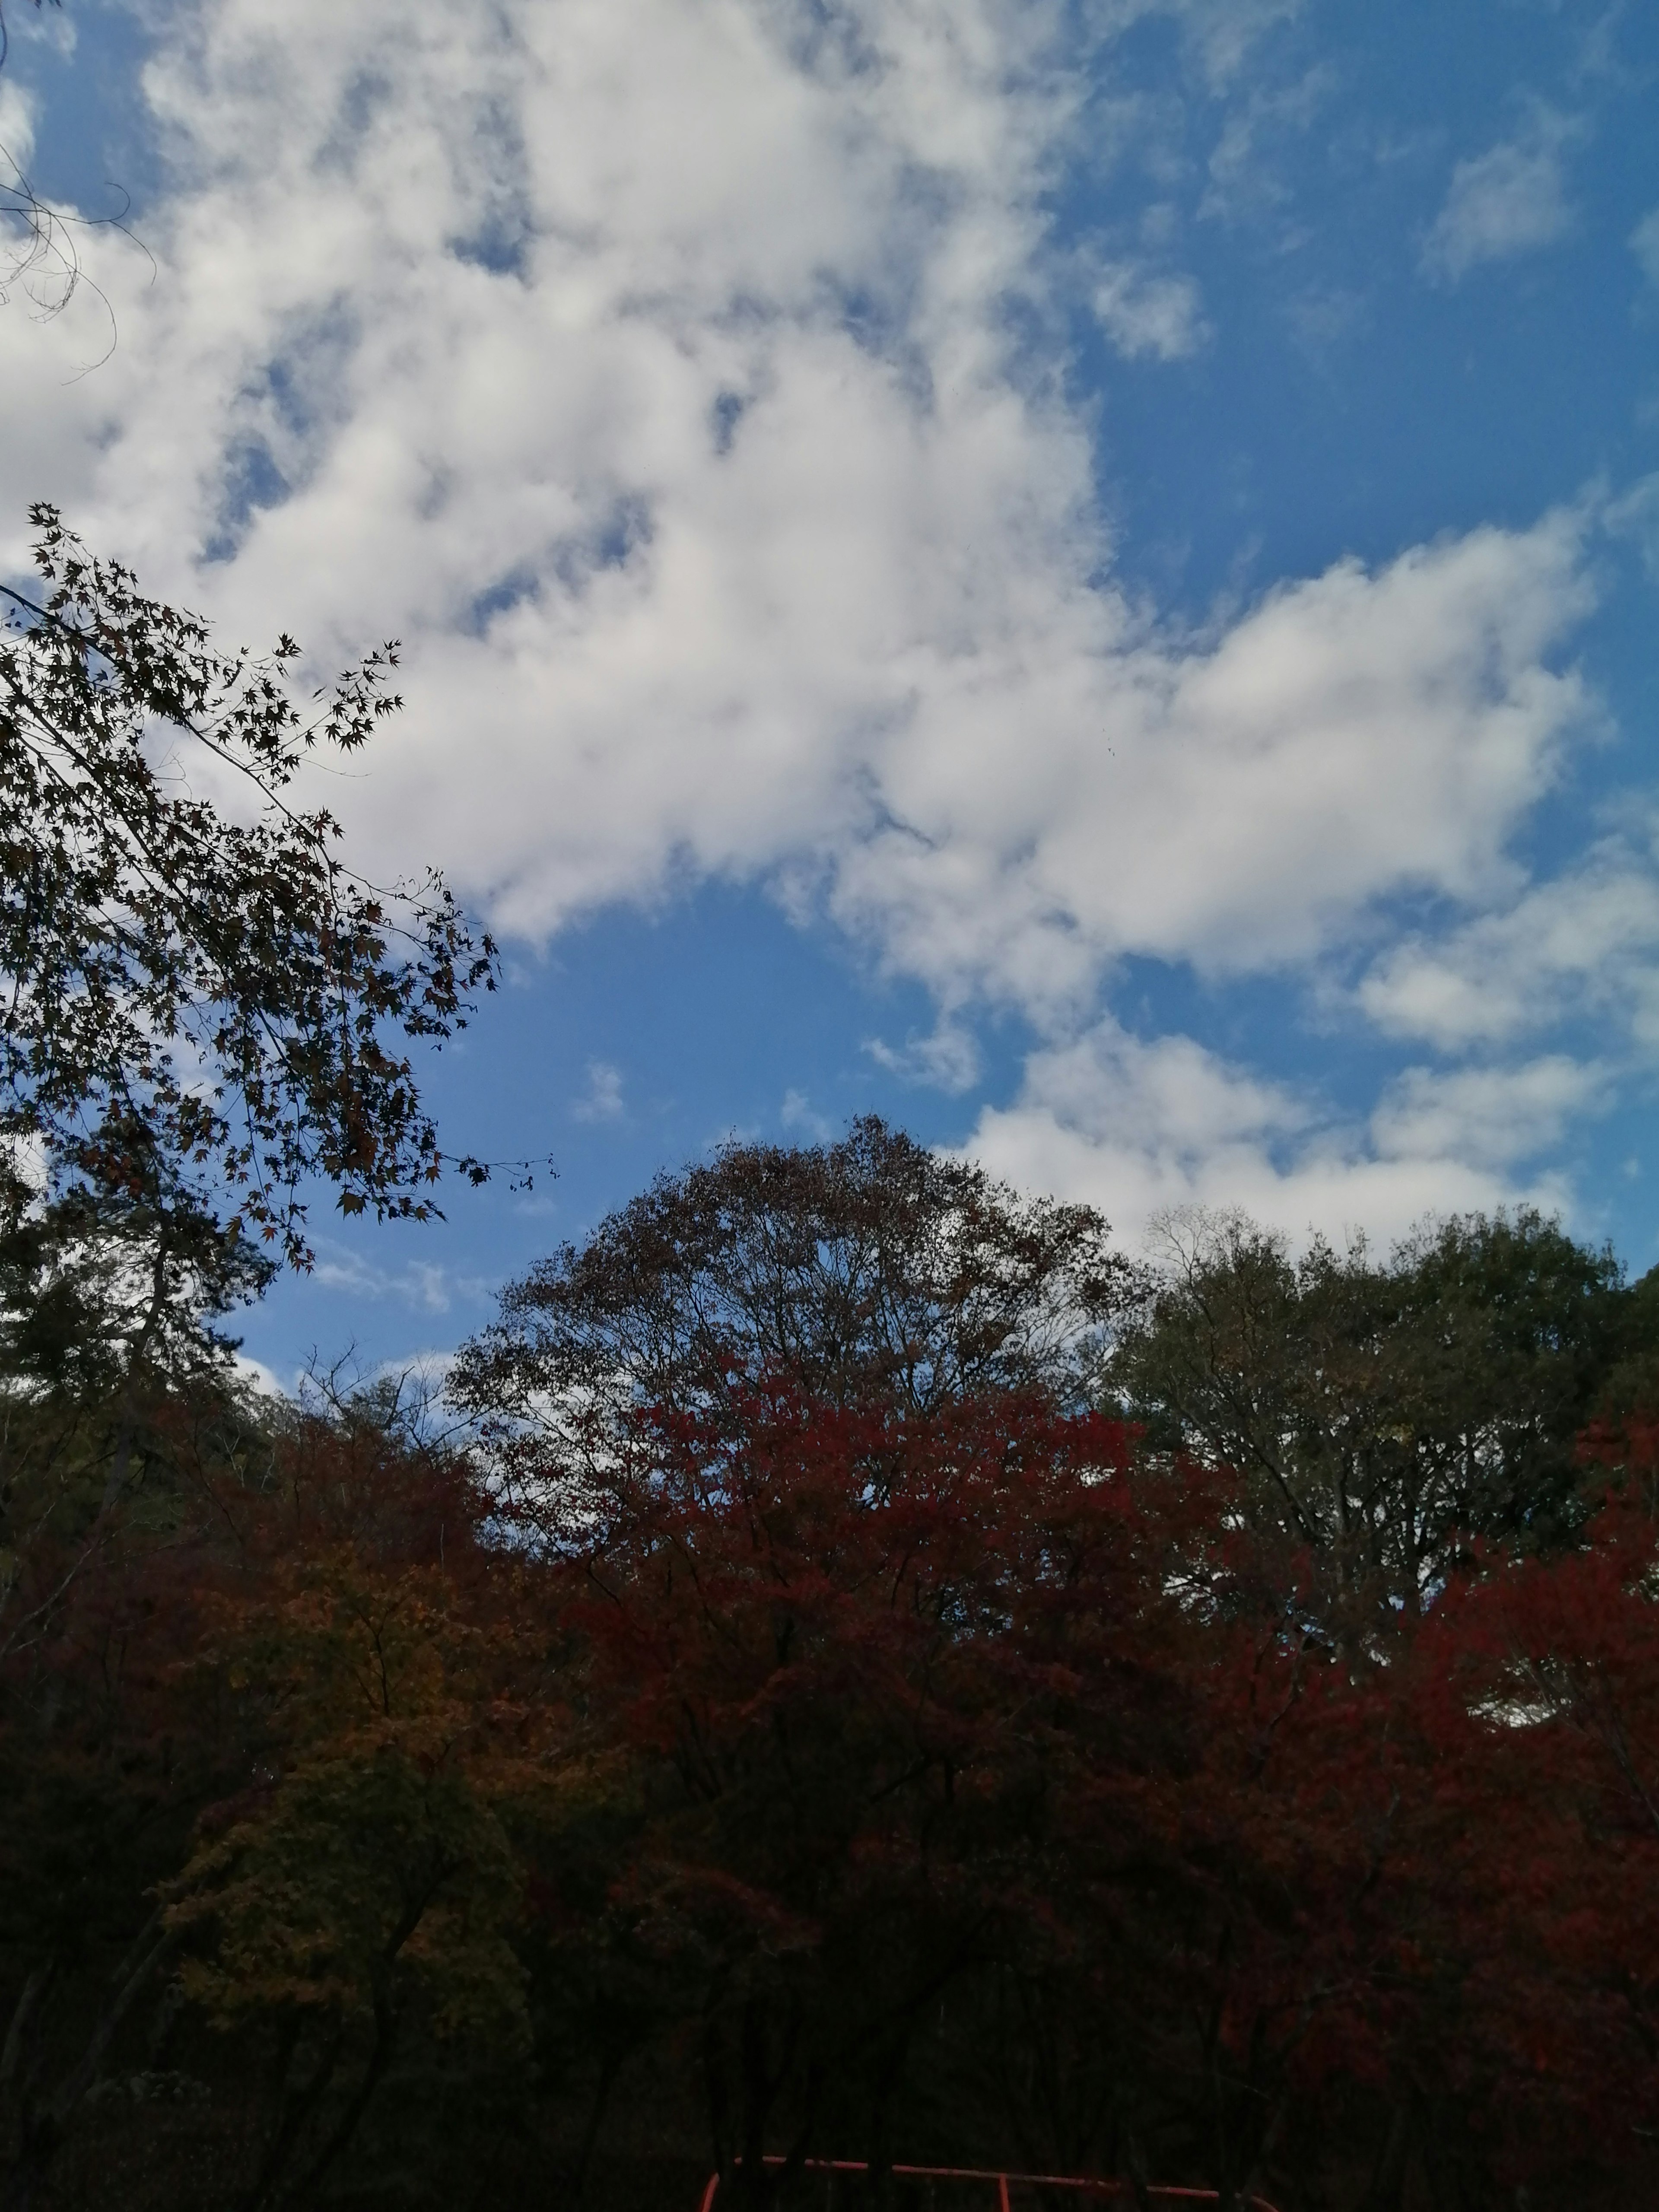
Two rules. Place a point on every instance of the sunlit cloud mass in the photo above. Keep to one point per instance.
(1082, 574)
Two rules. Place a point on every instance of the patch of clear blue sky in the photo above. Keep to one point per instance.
(1343, 403)
(93, 146)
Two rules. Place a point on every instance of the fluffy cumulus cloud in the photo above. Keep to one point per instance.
(1488, 1117)
(1508, 200)
(1233, 801)
(663, 377)
(1142, 1127)
(1586, 942)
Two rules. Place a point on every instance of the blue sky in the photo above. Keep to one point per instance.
(1085, 576)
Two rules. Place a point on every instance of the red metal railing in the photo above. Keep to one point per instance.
(1000, 2182)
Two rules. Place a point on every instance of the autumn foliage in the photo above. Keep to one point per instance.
(787, 1766)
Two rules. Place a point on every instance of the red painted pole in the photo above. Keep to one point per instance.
(1089, 2186)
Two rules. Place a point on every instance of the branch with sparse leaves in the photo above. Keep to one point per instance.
(195, 1002)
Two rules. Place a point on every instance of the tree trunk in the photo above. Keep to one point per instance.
(24, 2019)
(387, 2020)
(294, 2109)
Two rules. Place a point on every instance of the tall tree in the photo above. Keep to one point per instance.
(828, 1638)
(1383, 1412)
(868, 1272)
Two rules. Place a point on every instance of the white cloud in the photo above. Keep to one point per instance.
(255, 1375)
(1236, 805)
(1586, 942)
(52, 27)
(1139, 1128)
(1495, 1117)
(1323, 320)
(17, 119)
(602, 1101)
(419, 1282)
(798, 1115)
(415, 1384)
(1644, 244)
(1508, 200)
(947, 1057)
(1147, 313)
(1224, 31)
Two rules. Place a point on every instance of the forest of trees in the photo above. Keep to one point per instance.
(854, 1666)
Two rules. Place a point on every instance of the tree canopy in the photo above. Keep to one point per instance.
(1384, 1411)
(869, 1271)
